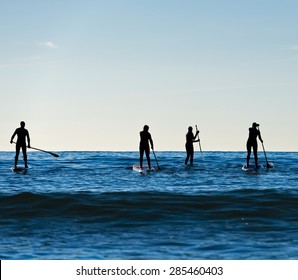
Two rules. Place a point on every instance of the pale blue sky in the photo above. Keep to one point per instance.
(87, 75)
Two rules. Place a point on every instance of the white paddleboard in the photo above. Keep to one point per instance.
(145, 169)
(251, 167)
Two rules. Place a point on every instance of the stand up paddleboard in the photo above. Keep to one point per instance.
(252, 167)
(145, 169)
(18, 169)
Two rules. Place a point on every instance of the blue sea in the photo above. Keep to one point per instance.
(92, 205)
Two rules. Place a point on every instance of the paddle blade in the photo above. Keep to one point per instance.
(270, 165)
(54, 155)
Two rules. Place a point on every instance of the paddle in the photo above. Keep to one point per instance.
(268, 165)
(200, 144)
(53, 154)
(156, 160)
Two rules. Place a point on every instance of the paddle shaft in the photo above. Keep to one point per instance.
(37, 149)
(54, 155)
(200, 143)
(155, 159)
(265, 154)
(267, 163)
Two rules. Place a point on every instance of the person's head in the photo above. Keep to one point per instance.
(190, 128)
(22, 124)
(255, 125)
(146, 128)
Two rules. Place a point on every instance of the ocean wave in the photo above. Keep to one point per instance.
(138, 206)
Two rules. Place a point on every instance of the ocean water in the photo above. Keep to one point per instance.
(92, 205)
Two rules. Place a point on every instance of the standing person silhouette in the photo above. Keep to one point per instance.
(144, 146)
(190, 139)
(22, 134)
(252, 143)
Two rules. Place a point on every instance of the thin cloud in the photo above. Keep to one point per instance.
(48, 45)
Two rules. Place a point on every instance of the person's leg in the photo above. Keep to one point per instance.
(24, 150)
(187, 158)
(141, 157)
(17, 155)
(191, 157)
(187, 155)
(255, 149)
(248, 147)
(148, 157)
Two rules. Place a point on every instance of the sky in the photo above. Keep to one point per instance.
(88, 75)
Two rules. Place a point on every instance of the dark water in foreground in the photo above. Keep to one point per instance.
(92, 205)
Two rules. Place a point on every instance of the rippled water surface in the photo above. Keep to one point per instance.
(92, 205)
